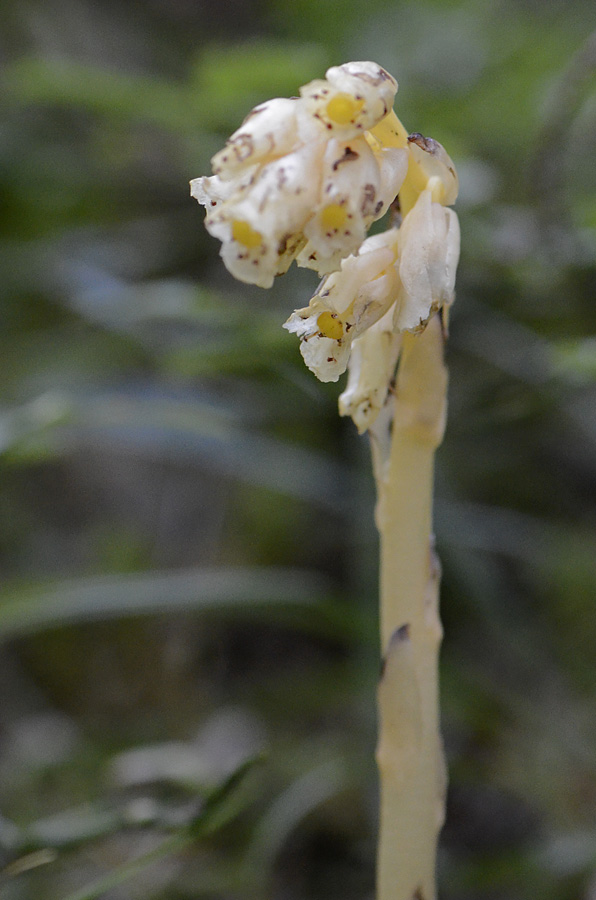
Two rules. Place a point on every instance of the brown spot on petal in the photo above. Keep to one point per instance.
(348, 155)
(372, 79)
(242, 147)
(368, 198)
(290, 243)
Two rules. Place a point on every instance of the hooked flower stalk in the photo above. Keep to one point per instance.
(304, 179)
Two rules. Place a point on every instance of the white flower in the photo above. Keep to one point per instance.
(428, 256)
(260, 224)
(346, 304)
(352, 98)
(357, 187)
(300, 175)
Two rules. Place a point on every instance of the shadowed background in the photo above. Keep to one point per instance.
(187, 551)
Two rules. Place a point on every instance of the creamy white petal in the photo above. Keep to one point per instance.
(452, 241)
(269, 131)
(393, 168)
(211, 191)
(373, 300)
(284, 192)
(371, 371)
(428, 256)
(340, 289)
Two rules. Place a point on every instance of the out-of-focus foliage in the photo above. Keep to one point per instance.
(188, 556)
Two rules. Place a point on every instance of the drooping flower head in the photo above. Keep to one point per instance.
(304, 179)
(300, 177)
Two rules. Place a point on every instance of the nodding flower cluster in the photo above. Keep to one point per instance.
(304, 179)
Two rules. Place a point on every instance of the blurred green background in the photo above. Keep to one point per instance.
(188, 597)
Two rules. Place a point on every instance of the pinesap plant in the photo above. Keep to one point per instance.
(304, 179)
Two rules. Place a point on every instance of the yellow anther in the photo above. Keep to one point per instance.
(244, 234)
(343, 109)
(330, 326)
(333, 216)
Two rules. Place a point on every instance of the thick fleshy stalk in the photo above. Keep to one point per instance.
(409, 753)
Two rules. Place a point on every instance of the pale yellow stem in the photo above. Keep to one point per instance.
(409, 755)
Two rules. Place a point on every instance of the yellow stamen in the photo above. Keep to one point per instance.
(343, 109)
(244, 234)
(333, 216)
(330, 325)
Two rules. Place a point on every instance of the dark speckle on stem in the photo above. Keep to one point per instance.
(400, 636)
